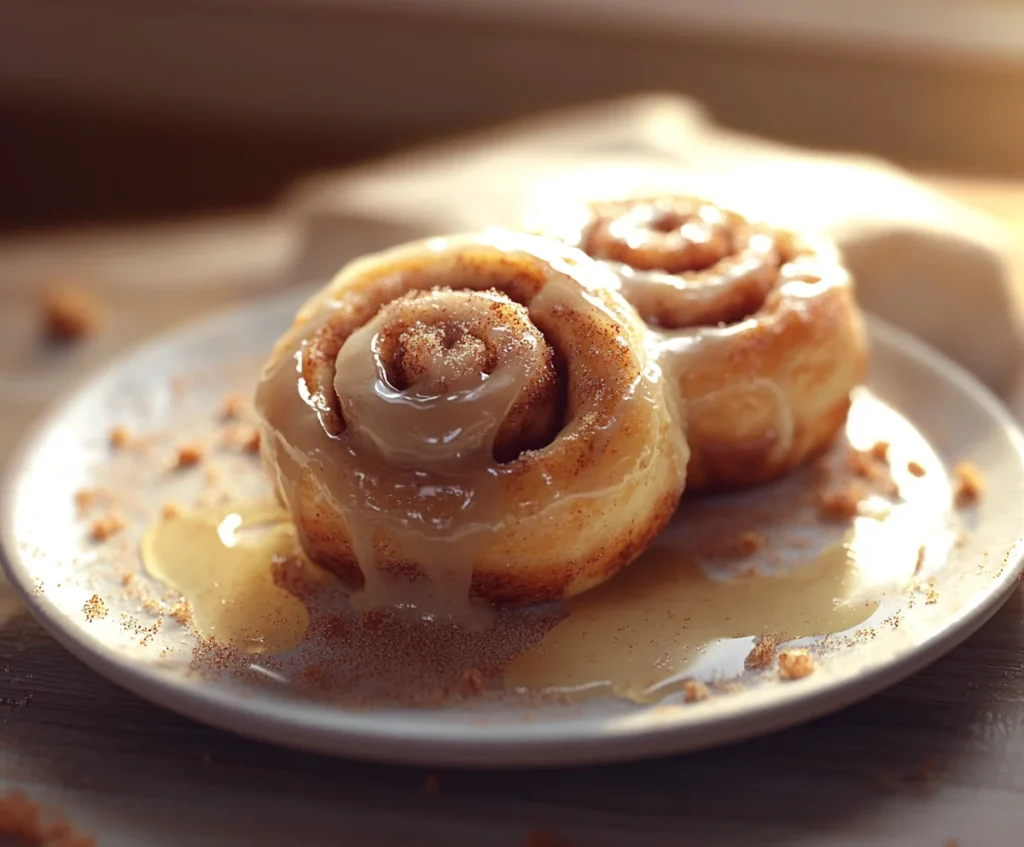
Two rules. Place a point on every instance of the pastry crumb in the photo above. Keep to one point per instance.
(233, 407)
(243, 437)
(841, 503)
(188, 456)
(70, 313)
(865, 464)
(880, 450)
(106, 526)
(94, 608)
(120, 437)
(694, 691)
(545, 838)
(916, 469)
(968, 484)
(170, 510)
(432, 784)
(762, 655)
(86, 499)
(795, 664)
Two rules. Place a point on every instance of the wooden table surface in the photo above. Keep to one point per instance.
(936, 760)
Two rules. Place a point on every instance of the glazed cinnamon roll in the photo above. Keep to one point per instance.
(757, 328)
(474, 416)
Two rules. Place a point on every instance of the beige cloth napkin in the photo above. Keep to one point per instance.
(921, 261)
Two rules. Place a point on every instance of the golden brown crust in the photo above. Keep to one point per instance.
(758, 328)
(564, 507)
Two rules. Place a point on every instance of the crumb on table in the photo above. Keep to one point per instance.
(916, 469)
(968, 483)
(188, 455)
(795, 664)
(920, 559)
(106, 525)
(70, 313)
(880, 450)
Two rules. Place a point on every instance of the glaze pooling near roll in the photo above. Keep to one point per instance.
(443, 417)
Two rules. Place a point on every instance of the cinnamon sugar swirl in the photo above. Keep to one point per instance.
(475, 417)
(756, 327)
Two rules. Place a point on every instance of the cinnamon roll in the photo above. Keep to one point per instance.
(471, 417)
(756, 327)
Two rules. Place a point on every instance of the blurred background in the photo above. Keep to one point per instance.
(148, 109)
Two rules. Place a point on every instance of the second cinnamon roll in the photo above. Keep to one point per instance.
(476, 416)
(757, 327)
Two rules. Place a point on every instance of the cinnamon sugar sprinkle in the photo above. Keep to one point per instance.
(95, 608)
(762, 655)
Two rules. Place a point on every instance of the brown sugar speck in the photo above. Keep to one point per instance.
(70, 313)
(188, 456)
(762, 654)
(880, 450)
(182, 613)
(95, 608)
(795, 664)
(106, 526)
(545, 838)
(968, 484)
(916, 469)
(694, 691)
(432, 784)
(120, 437)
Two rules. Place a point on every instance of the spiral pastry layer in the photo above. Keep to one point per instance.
(471, 417)
(756, 327)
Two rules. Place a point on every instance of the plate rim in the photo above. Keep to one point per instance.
(371, 736)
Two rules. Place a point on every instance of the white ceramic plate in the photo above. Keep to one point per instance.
(56, 568)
